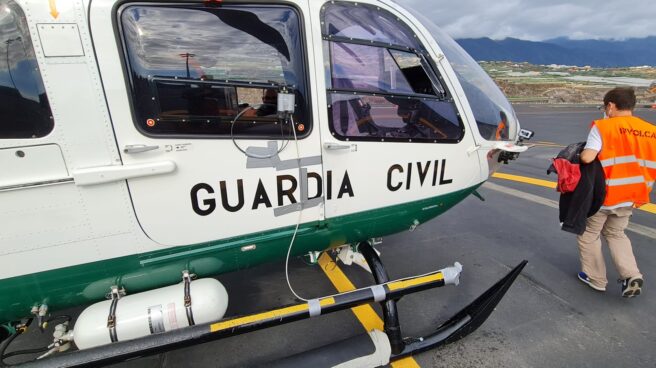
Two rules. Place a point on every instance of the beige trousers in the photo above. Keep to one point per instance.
(611, 224)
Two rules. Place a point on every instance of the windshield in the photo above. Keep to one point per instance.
(495, 117)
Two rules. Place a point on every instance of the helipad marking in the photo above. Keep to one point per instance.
(368, 318)
(649, 207)
(524, 179)
(548, 144)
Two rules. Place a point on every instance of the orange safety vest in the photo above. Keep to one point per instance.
(628, 156)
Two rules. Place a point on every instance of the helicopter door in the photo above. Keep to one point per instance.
(192, 89)
(392, 134)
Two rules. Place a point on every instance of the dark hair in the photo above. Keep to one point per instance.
(623, 97)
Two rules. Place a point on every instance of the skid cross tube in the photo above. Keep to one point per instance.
(157, 343)
(390, 313)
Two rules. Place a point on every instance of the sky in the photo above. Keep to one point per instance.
(538, 20)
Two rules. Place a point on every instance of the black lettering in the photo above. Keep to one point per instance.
(261, 196)
(345, 187)
(442, 180)
(394, 188)
(409, 176)
(316, 177)
(329, 184)
(423, 172)
(289, 193)
(435, 166)
(210, 203)
(240, 194)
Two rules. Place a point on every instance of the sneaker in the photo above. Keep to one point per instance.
(586, 280)
(631, 287)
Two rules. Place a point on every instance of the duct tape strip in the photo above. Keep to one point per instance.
(379, 292)
(314, 307)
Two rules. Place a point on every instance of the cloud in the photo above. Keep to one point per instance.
(541, 20)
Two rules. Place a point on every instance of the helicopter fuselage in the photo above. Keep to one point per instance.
(125, 159)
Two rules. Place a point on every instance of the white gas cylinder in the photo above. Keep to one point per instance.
(151, 312)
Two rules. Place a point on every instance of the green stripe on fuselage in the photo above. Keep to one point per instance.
(86, 283)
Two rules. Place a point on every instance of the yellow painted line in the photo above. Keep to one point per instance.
(649, 207)
(368, 318)
(413, 282)
(524, 179)
(274, 314)
(547, 145)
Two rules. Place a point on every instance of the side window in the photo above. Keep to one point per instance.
(195, 69)
(381, 85)
(24, 108)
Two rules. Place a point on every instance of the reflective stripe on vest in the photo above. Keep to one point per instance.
(625, 181)
(626, 160)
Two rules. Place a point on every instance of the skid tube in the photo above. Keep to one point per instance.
(188, 336)
(385, 292)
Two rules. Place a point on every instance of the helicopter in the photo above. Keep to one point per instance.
(148, 147)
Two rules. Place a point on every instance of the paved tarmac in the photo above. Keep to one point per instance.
(547, 319)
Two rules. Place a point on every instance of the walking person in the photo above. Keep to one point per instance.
(626, 148)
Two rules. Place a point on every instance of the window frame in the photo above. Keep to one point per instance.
(303, 59)
(429, 67)
(37, 77)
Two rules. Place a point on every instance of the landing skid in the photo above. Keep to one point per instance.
(385, 292)
(460, 325)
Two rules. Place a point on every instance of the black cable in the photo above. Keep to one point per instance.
(8, 341)
(3, 348)
(26, 351)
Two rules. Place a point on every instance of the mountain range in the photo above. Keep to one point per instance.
(563, 51)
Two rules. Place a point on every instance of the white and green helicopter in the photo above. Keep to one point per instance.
(144, 145)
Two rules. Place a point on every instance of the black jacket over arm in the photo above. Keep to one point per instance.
(585, 200)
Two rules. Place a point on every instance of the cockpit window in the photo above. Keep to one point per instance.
(193, 68)
(365, 22)
(24, 108)
(380, 84)
(377, 69)
(495, 117)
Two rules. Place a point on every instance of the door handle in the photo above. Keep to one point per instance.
(138, 148)
(328, 146)
(108, 174)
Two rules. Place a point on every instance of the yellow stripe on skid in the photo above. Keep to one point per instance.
(219, 326)
(326, 301)
(414, 282)
(274, 314)
(364, 313)
(524, 179)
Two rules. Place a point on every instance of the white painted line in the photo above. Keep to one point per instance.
(636, 228)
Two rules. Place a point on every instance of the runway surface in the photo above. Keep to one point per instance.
(547, 319)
